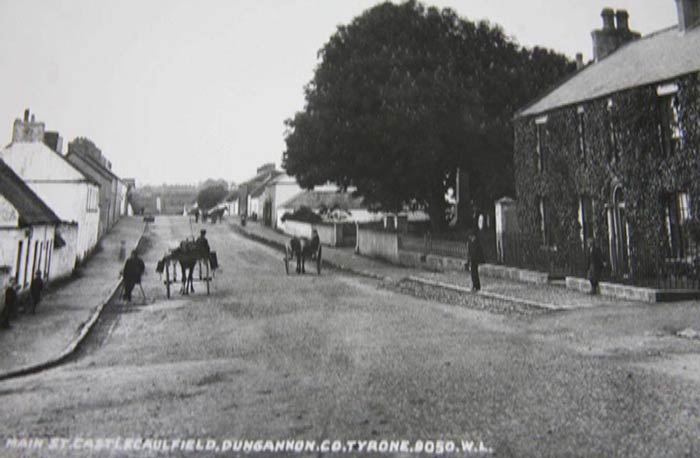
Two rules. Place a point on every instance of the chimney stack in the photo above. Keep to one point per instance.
(28, 129)
(609, 38)
(688, 14)
(622, 18)
(579, 61)
(608, 16)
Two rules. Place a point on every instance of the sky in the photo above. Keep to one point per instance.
(178, 91)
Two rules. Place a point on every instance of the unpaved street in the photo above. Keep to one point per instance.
(270, 356)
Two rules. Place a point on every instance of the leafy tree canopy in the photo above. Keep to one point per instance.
(83, 146)
(404, 95)
(210, 196)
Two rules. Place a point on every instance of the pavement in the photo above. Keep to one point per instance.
(548, 296)
(67, 308)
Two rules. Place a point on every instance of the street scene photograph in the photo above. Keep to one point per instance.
(362, 228)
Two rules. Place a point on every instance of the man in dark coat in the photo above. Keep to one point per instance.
(475, 256)
(10, 304)
(133, 270)
(203, 243)
(35, 290)
(595, 265)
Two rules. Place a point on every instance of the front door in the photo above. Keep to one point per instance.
(619, 236)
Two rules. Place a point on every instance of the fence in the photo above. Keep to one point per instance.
(333, 234)
(449, 244)
(648, 266)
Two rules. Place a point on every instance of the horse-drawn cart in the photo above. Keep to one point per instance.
(190, 257)
(303, 249)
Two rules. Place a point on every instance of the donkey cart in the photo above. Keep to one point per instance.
(303, 249)
(189, 260)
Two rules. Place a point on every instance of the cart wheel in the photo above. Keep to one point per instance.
(167, 280)
(208, 276)
(286, 259)
(318, 260)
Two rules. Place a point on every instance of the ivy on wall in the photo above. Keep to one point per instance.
(632, 160)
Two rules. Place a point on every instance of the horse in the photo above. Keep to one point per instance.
(302, 248)
(187, 255)
(216, 214)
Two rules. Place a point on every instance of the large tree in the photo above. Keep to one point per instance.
(210, 196)
(403, 96)
(83, 146)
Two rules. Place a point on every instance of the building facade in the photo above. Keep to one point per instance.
(611, 154)
(66, 190)
(111, 193)
(27, 231)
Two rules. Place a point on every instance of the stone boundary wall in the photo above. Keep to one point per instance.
(378, 244)
(330, 234)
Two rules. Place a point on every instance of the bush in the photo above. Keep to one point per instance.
(303, 214)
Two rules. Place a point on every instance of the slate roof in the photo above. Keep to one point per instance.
(328, 199)
(95, 165)
(655, 58)
(32, 210)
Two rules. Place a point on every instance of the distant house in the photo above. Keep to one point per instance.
(278, 190)
(255, 185)
(612, 152)
(30, 234)
(256, 201)
(112, 189)
(65, 189)
(232, 202)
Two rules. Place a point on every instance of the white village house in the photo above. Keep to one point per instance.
(30, 234)
(69, 193)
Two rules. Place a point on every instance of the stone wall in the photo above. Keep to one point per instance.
(378, 244)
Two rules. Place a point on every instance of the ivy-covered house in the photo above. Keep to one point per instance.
(613, 152)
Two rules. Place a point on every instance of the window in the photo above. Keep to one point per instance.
(676, 208)
(581, 133)
(36, 250)
(92, 199)
(613, 149)
(585, 215)
(26, 262)
(18, 263)
(47, 267)
(669, 122)
(541, 136)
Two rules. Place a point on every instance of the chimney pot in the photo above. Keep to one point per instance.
(33, 118)
(622, 18)
(26, 115)
(608, 16)
(579, 61)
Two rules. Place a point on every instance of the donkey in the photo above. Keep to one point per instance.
(187, 255)
(302, 248)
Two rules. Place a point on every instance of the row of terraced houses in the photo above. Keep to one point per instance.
(612, 155)
(54, 207)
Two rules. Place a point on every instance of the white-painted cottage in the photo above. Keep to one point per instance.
(28, 229)
(69, 193)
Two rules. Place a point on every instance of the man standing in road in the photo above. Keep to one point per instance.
(133, 270)
(203, 243)
(595, 265)
(35, 290)
(10, 303)
(475, 256)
